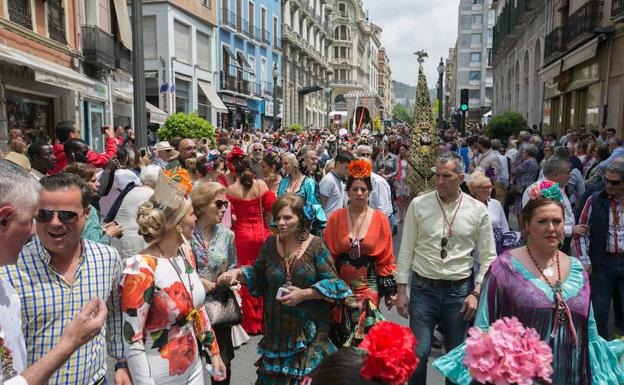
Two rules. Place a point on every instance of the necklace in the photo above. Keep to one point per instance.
(289, 260)
(355, 250)
(176, 268)
(562, 312)
(449, 224)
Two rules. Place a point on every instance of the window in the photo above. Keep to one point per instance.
(475, 39)
(182, 38)
(474, 75)
(263, 75)
(56, 21)
(19, 12)
(206, 3)
(477, 1)
(152, 94)
(342, 7)
(150, 48)
(489, 53)
(203, 51)
(474, 94)
(477, 19)
(182, 95)
(252, 17)
(263, 19)
(475, 57)
(276, 39)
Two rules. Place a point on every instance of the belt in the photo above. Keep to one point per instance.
(442, 282)
(614, 255)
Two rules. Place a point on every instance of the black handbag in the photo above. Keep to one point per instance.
(222, 307)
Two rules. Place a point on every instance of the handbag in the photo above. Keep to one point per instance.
(340, 325)
(222, 307)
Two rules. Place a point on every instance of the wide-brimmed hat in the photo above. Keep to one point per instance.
(19, 160)
(331, 138)
(165, 151)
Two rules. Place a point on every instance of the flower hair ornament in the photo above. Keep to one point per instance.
(210, 158)
(359, 169)
(236, 152)
(545, 189)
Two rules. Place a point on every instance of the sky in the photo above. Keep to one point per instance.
(412, 25)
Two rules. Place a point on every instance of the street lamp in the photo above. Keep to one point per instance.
(440, 92)
(328, 92)
(275, 75)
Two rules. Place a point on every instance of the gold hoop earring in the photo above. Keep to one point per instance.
(179, 229)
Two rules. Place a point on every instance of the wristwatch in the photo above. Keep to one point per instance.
(121, 365)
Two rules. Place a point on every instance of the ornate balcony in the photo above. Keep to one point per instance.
(235, 84)
(98, 48)
(242, 26)
(123, 57)
(581, 24)
(19, 12)
(266, 37)
(555, 44)
(228, 18)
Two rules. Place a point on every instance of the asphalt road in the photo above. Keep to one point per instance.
(243, 369)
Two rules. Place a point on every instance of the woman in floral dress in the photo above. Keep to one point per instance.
(295, 275)
(162, 297)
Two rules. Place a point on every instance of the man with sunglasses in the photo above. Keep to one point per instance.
(256, 152)
(441, 230)
(19, 199)
(58, 273)
(602, 249)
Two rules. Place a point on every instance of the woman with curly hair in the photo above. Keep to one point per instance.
(271, 165)
(360, 242)
(251, 202)
(295, 275)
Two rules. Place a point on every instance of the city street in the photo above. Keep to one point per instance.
(244, 371)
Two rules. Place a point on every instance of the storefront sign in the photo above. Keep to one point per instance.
(10, 71)
(227, 99)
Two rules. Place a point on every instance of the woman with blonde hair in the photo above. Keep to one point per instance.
(162, 296)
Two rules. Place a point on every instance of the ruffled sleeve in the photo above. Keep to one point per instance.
(255, 275)
(452, 365)
(328, 283)
(309, 193)
(604, 355)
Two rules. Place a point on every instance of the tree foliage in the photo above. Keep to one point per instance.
(296, 128)
(401, 113)
(506, 124)
(186, 126)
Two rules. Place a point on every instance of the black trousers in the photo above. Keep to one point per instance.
(224, 339)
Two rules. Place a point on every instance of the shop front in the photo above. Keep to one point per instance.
(238, 116)
(573, 98)
(95, 111)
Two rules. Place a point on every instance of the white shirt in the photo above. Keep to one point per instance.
(380, 198)
(131, 243)
(11, 331)
(423, 229)
(333, 189)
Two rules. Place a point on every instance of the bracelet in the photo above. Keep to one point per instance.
(476, 294)
(121, 365)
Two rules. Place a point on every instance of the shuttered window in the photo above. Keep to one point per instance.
(203, 51)
(182, 42)
(149, 37)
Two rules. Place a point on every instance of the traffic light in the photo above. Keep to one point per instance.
(463, 100)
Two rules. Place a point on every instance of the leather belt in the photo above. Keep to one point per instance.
(442, 283)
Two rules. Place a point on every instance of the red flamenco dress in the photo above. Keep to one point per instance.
(251, 229)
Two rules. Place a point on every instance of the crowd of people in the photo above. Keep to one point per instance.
(168, 257)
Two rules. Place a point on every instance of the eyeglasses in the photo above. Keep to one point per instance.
(257, 150)
(220, 204)
(443, 244)
(365, 154)
(65, 216)
(613, 182)
(485, 187)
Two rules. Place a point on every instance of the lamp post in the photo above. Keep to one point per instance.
(440, 92)
(328, 92)
(275, 75)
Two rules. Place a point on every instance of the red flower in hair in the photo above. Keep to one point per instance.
(391, 355)
(236, 152)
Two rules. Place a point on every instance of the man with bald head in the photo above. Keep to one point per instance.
(188, 149)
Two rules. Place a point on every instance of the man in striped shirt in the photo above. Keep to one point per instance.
(57, 274)
(19, 200)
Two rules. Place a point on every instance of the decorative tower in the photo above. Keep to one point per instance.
(424, 149)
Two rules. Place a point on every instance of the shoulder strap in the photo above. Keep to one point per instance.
(112, 213)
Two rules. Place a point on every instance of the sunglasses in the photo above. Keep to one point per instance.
(65, 216)
(220, 204)
(613, 182)
(443, 244)
(257, 150)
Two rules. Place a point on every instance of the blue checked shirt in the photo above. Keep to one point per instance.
(49, 303)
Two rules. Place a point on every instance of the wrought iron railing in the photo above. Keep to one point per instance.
(242, 25)
(98, 47)
(267, 88)
(277, 42)
(19, 12)
(228, 18)
(56, 21)
(582, 22)
(266, 37)
(555, 44)
(123, 57)
(233, 83)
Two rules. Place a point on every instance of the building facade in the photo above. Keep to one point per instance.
(250, 52)
(556, 63)
(384, 87)
(306, 42)
(473, 56)
(40, 60)
(355, 61)
(450, 83)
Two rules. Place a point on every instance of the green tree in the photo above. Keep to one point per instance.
(296, 128)
(186, 126)
(506, 124)
(399, 112)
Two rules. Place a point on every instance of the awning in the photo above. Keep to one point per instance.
(246, 63)
(232, 56)
(124, 96)
(580, 55)
(156, 115)
(211, 94)
(550, 72)
(48, 72)
(123, 22)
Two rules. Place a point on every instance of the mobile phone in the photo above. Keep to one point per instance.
(143, 152)
(103, 130)
(282, 292)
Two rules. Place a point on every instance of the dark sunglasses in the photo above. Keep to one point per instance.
(443, 244)
(613, 182)
(220, 204)
(65, 216)
(257, 150)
